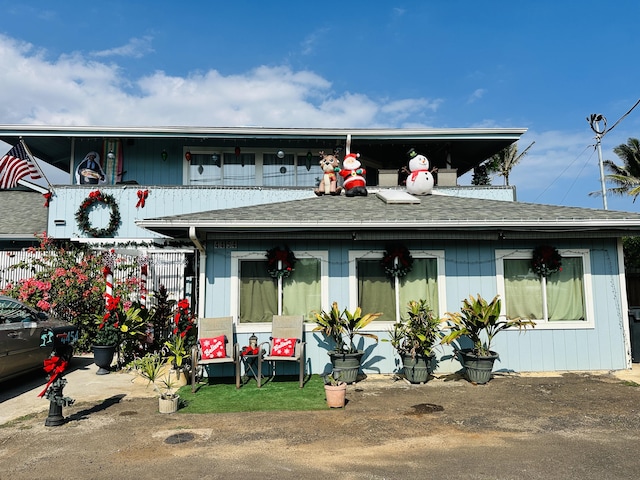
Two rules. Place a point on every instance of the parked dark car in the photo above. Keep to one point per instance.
(28, 337)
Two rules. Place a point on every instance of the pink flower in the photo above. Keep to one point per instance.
(44, 305)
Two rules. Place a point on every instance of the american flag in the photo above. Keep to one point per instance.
(15, 165)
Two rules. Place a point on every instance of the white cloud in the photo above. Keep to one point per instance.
(476, 95)
(136, 48)
(74, 90)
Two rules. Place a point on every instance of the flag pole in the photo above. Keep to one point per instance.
(33, 160)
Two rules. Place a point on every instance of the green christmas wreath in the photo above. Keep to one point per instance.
(400, 268)
(281, 262)
(546, 260)
(82, 215)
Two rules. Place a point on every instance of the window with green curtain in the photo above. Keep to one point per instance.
(301, 291)
(376, 290)
(565, 291)
(258, 292)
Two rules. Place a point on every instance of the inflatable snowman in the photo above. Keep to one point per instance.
(420, 180)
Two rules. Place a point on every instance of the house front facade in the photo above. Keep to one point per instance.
(233, 200)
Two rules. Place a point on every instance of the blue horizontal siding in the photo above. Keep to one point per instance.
(470, 269)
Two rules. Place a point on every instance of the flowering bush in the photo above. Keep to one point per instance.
(68, 282)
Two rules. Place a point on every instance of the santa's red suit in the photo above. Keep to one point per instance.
(352, 173)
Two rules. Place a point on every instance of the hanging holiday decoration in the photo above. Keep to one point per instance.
(187, 156)
(82, 215)
(47, 198)
(280, 262)
(546, 260)
(397, 261)
(142, 197)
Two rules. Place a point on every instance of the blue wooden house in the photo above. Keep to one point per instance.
(221, 198)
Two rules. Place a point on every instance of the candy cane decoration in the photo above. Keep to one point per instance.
(109, 264)
(144, 270)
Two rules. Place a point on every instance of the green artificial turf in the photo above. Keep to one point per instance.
(274, 395)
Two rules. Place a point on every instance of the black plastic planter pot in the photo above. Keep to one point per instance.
(416, 369)
(477, 369)
(346, 365)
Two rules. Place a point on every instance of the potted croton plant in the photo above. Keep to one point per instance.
(480, 322)
(414, 340)
(341, 326)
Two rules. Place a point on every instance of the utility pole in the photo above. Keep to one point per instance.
(594, 120)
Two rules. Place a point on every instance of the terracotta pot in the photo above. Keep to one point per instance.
(336, 395)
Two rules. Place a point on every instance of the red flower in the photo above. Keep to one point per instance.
(183, 304)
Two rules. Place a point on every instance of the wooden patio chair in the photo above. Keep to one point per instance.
(285, 345)
(215, 346)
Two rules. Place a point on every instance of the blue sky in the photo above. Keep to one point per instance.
(543, 65)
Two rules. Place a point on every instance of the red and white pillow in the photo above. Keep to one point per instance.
(283, 347)
(213, 348)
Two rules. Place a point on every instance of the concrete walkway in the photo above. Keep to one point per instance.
(20, 397)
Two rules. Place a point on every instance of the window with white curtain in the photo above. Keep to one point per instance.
(559, 300)
(209, 166)
(376, 292)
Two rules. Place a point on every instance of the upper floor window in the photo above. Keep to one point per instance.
(252, 168)
(376, 292)
(557, 301)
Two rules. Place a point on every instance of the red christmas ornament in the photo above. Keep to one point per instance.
(187, 156)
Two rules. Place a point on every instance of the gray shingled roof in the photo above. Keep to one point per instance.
(433, 213)
(22, 214)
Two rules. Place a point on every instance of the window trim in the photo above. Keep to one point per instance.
(541, 324)
(236, 257)
(355, 255)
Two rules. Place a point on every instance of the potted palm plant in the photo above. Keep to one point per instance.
(480, 322)
(341, 326)
(177, 353)
(150, 367)
(414, 340)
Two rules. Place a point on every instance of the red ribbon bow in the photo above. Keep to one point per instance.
(47, 198)
(54, 366)
(142, 196)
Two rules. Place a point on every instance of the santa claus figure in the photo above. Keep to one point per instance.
(353, 175)
(420, 179)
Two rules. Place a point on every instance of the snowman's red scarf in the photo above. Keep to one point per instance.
(414, 173)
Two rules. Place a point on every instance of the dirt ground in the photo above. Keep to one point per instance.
(515, 427)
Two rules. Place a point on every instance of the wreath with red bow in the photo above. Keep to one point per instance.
(400, 268)
(82, 215)
(546, 260)
(280, 262)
